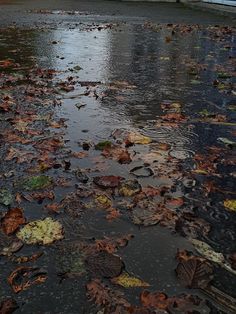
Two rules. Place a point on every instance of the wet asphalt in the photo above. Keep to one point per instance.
(26, 13)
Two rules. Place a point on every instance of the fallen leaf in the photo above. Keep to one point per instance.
(106, 297)
(142, 172)
(40, 196)
(36, 182)
(23, 277)
(53, 207)
(103, 201)
(79, 155)
(195, 272)
(118, 153)
(44, 232)
(113, 214)
(14, 247)
(206, 250)
(20, 155)
(174, 117)
(107, 181)
(6, 197)
(137, 138)
(8, 306)
(177, 304)
(103, 145)
(127, 281)
(105, 264)
(12, 220)
(230, 205)
(129, 188)
(26, 259)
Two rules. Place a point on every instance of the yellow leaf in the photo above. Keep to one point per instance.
(200, 171)
(137, 138)
(43, 231)
(230, 204)
(103, 201)
(127, 281)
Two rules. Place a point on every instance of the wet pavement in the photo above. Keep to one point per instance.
(88, 96)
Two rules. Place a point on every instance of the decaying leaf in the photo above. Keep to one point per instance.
(190, 225)
(36, 183)
(183, 303)
(23, 277)
(12, 248)
(117, 153)
(127, 281)
(26, 259)
(129, 188)
(103, 201)
(12, 220)
(149, 213)
(70, 263)
(227, 142)
(6, 197)
(43, 232)
(53, 207)
(230, 205)
(8, 306)
(106, 297)
(105, 264)
(102, 145)
(108, 181)
(142, 172)
(137, 138)
(194, 272)
(207, 251)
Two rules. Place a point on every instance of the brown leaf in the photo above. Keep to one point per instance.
(190, 225)
(79, 154)
(184, 304)
(174, 117)
(8, 306)
(49, 145)
(109, 245)
(118, 153)
(108, 181)
(105, 264)
(26, 259)
(175, 202)
(40, 196)
(113, 214)
(18, 198)
(23, 277)
(19, 155)
(12, 220)
(194, 272)
(53, 208)
(106, 297)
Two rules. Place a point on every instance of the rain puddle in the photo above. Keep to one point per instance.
(117, 179)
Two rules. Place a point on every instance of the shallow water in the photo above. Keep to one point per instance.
(157, 71)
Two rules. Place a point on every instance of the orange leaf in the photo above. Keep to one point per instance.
(12, 220)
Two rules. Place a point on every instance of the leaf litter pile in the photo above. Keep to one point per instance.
(73, 200)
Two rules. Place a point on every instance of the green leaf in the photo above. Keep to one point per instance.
(77, 68)
(102, 145)
(6, 197)
(36, 183)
